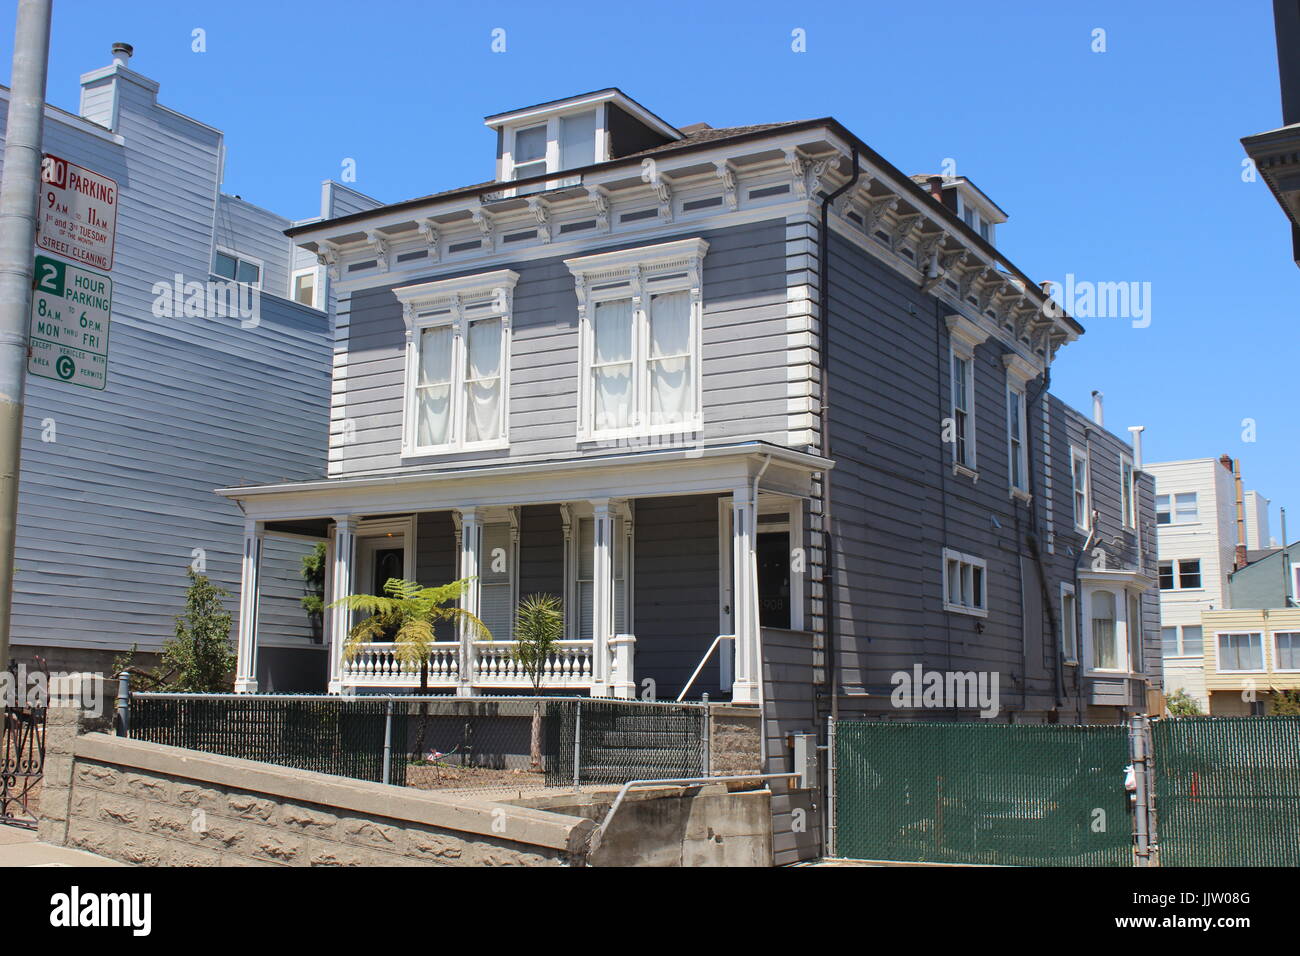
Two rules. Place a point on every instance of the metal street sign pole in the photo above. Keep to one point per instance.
(19, 194)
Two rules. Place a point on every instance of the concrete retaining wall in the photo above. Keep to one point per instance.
(156, 805)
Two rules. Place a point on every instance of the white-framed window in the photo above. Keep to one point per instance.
(499, 579)
(1133, 622)
(1183, 574)
(1128, 491)
(640, 319)
(1017, 440)
(963, 408)
(1239, 651)
(457, 363)
(1079, 482)
(1106, 640)
(557, 143)
(972, 217)
(584, 563)
(1178, 508)
(1185, 641)
(1069, 624)
(238, 267)
(965, 583)
(1286, 651)
(305, 287)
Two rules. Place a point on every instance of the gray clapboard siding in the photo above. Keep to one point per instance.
(744, 356)
(258, 233)
(789, 707)
(676, 600)
(111, 511)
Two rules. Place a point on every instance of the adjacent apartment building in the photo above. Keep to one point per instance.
(115, 499)
(1207, 527)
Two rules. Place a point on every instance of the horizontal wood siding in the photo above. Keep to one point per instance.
(744, 357)
(789, 707)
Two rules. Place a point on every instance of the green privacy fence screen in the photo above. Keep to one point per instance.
(1019, 795)
(1228, 790)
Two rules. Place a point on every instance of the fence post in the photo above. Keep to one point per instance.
(124, 704)
(830, 787)
(577, 747)
(388, 742)
(1141, 788)
(707, 737)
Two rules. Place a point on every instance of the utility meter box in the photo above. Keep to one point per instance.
(804, 748)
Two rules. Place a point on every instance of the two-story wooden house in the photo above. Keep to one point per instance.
(750, 397)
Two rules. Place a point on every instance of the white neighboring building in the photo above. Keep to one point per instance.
(1197, 538)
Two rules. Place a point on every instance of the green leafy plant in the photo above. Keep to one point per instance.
(539, 626)
(1284, 703)
(200, 659)
(1182, 704)
(408, 613)
(313, 575)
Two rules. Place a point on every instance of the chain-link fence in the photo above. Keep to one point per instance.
(1228, 790)
(439, 743)
(1024, 795)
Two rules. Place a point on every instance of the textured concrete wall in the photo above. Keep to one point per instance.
(733, 739)
(155, 805)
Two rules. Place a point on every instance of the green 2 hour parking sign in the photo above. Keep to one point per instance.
(71, 310)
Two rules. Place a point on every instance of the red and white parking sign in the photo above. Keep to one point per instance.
(78, 213)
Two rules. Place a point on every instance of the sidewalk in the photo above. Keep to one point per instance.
(19, 847)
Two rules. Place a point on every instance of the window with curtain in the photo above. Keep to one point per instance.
(1241, 652)
(585, 574)
(640, 331)
(611, 364)
(1105, 651)
(1286, 646)
(458, 378)
(483, 399)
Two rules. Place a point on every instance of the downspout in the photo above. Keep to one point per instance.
(823, 357)
(1035, 551)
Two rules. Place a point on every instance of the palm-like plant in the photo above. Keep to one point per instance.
(539, 624)
(409, 612)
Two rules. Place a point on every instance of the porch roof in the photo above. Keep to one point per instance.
(695, 469)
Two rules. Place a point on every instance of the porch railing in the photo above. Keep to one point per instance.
(493, 664)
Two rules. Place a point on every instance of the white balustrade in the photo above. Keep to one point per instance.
(377, 664)
(569, 664)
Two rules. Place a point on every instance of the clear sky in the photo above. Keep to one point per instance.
(1115, 166)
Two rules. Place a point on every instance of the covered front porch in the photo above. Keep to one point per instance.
(667, 564)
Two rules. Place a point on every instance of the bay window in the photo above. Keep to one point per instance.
(457, 368)
(1105, 632)
(640, 318)
(1069, 620)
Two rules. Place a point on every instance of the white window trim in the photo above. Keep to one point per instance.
(454, 295)
(964, 336)
(1181, 641)
(1123, 645)
(1018, 490)
(317, 287)
(388, 529)
(1277, 669)
(1079, 454)
(579, 511)
(966, 559)
(552, 157)
(1173, 509)
(1072, 653)
(1218, 648)
(1130, 511)
(243, 257)
(638, 274)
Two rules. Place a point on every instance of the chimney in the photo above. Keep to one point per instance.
(936, 188)
(106, 92)
(1136, 431)
(1098, 414)
(1239, 559)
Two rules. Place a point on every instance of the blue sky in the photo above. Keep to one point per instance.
(1115, 166)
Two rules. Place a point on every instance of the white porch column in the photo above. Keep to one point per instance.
(602, 597)
(250, 587)
(744, 597)
(471, 543)
(339, 621)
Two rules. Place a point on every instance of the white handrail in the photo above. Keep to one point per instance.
(704, 660)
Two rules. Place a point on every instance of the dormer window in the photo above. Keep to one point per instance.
(560, 143)
(529, 153)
